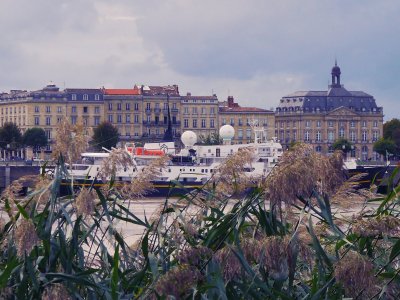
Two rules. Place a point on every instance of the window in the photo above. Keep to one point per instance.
(203, 123)
(248, 133)
(148, 106)
(223, 121)
(85, 97)
(307, 136)
(48, 121)
(59, 109)
(194, 110)
(186, 123)
(73, 120)
(318, 136)
(128, 118)
(96, 120)
(37, 121)
(364, 152)
(194, 123)
(174, 105)
(212, 123)
(85, 110)
(59, 120)
(136, 106)
(352, 136)
(375, 124)
(352, 124)
(364, 123)
(331, 136)
(127, 106)
(364, 136)
(203, 110)
(136, 119)
(73, 109)
(148, 119)
(48, 109)
(330, 123)
(119, 106)
(341, 133)
(240, 122)
(294, 135)
(232, 122)
(318, 149)
(36, 109)
(375, 136)
(97, 97)
(119, 118)
(240, 133)
(308, 123)
(73, 96)
(97, 109)
(110, 118)
(109, 106)
(318, 123)
(48, 133)
(212, 111)
(157, 119)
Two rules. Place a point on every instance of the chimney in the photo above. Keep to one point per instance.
(188, 94)
(230, 101)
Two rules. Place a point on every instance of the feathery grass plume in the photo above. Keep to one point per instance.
(25, 237)
(85, 202)
(10, 194)
(370, 227)
(70, 141)
(42, 184)
(229, 263)
(117, 160)
(300, 171)
(230, 176)
(356, 275)
(275, 257)
(142, 183)
(56, 291)
(194, 256)
(178, 282)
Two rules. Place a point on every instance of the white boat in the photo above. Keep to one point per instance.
(191, 166)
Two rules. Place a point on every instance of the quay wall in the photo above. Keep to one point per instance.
(10, 173)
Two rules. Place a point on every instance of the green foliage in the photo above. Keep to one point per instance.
(343, 145)
(391, 133)
(385, 146)
(105, 135)
(35, 137)
(211, 139)
(10, 136)
(204, 245)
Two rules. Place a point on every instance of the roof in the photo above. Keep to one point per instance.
(83, 90)
(243, 110)
(121, 91)
(171, 90)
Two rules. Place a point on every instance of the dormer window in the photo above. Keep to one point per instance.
(85, 97)
(282, 100)
(97, 97)
(73, 96)
(287, 100)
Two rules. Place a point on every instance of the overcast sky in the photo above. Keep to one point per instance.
(256, 51)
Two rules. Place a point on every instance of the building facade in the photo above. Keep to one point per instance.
(322, 117)
(243, 118)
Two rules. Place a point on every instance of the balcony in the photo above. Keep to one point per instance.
(160, 124)
(148, 111)
(157, 111)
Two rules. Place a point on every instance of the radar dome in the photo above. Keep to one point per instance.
(227, 132)
(189, 138)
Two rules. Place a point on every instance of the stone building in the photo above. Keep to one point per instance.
(322, 117)
(199, 114)
(46, 108)
(242, 118)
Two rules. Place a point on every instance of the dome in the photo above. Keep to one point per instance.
(189, 138)
(227, 132)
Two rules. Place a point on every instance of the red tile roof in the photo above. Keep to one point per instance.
(121, 91)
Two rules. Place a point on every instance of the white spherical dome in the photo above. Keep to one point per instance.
(189, 138)
(227, 132)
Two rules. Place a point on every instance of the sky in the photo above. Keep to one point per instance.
(254, 50)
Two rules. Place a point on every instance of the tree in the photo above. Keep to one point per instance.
(343, 145)
(35, 137)
(211, 139)
(385, 146)
(391, 129)
(10, 136)
(105, 135)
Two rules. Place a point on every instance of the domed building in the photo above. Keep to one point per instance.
(322, 117)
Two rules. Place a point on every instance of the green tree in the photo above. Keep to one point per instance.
(35, 137)
(10, 136)
(343, 145)
(391, 129)
(211, 139)
(383, 145)
(105, 135)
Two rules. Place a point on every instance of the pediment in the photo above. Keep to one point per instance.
(342, 111)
